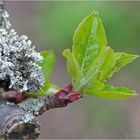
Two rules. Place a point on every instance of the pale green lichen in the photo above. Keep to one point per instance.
(18, 68)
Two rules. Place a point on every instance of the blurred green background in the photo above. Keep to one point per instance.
(50, 25)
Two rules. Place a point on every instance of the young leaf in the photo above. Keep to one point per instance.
(120, 60)
(43, 91)
(46, 65)
(110, 92)
(94, 69)
(72, 67)
(89, 37)
(92, 62)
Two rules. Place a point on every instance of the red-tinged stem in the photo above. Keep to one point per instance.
(19, 121)
(17, 96)
(61, 99)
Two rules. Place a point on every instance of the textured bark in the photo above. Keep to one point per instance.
(19, 121)
(15, 123)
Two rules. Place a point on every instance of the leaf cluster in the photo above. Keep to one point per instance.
(91, 62)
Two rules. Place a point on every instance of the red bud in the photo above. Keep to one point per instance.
(60, 94)
(20, 97)
(67, 88)
(74, 96)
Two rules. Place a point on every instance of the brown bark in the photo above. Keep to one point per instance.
(15, 123)
(19, 121)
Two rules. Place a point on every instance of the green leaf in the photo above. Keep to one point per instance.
(110, 92)
(108, 63)
(120, 60)
(89, 37)
(47, 63)
(113, 63)
(92, 62)
(43, 91)
(72, 67)
(95, 68)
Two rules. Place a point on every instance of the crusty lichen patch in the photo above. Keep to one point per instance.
(18, 68)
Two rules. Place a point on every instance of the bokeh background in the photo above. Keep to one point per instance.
(50, 25)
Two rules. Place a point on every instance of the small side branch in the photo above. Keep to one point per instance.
(19, 121)
(38, 106)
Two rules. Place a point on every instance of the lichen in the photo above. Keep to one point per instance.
(35, 107)
(18, 60)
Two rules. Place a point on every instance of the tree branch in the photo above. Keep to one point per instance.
(15, 123)
(52, 100)
(19, 121)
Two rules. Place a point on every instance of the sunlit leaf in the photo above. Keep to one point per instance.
(89, 37)
(120, 60)
(95, 68)
(47, 63)
(72, 67)
(92, 62)
(111, 92)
